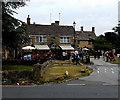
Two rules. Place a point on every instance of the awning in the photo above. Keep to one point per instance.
(42, 47)
(67, 47)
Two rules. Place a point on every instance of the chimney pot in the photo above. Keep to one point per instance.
(81, 28)
(56, 22)
(93, 29)
(28, 20)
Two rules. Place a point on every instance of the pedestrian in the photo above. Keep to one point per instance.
(29, 57)
(103, 56)
(64, 55)
(76, 57)
(95, 54)
(25, 57)
(98, 54)
(107, 55)
(82, 55)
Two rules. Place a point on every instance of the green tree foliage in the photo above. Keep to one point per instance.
(12, 28)
(111, 37)
(117, 30)
(101, 43)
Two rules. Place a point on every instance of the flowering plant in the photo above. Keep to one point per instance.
(39, 58)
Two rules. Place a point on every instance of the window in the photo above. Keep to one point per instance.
(41, 39)
(64, 40)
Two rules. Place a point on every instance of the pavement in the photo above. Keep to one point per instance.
(102, 83)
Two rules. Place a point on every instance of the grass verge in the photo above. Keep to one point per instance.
(16, 67)
(117, 61)
(57, 74)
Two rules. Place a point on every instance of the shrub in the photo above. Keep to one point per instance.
(13, 77)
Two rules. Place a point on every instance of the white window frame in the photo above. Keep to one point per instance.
(64, 39)
(40, 38)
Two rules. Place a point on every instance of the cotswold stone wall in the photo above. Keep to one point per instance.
(39, 69)
(25, 77)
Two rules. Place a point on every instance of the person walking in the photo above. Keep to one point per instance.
(82, 55)
(95, 54)
(98, 54)
(76, 57)
(107, 55)
(64, 55)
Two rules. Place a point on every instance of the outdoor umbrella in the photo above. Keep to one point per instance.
(28, 48)
(85, 49)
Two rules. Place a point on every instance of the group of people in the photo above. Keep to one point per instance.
(26, 57)
(73, 56)
(107, 55)
(77, 56)
(97, 54)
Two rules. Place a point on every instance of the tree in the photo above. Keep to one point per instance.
(101, 44)
(111, 37)
(117, 30)
(12, 29)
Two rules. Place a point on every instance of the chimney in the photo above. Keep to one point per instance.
(57, 23)
(28, 20)
(93, 29)
(81, 28)
(52, 24)
(34, 23)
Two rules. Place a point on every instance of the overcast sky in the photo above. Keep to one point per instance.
(102, 14)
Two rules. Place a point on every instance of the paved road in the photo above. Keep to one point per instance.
(102, 83)
(104, 74)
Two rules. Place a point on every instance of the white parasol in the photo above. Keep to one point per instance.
(85, 49)
(28, 48)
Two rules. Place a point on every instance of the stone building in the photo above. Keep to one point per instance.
(44, 36)
(58, 35)
(84, 38)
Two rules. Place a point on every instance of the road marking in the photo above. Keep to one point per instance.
(105, 70)
(111, 68)
(98, 71)
(76, 84)
(106, 84)
(113, 72)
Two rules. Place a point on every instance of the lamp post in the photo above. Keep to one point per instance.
(74, 32)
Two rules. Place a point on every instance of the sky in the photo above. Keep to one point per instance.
(101, 14)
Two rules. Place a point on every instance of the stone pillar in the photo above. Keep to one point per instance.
(37, 71)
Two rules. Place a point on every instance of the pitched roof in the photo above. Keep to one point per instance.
(55, 30)
(85, 35)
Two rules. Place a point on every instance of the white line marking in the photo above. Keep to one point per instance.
(113, 72)
(76, 84)
(111, 68)
(106, 84)
(105, 70)
(98, 71)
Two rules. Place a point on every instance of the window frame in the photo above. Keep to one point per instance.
(64, 39)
